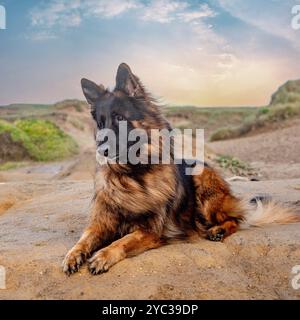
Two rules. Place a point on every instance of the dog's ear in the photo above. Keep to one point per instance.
(92, 91)
(127, 82)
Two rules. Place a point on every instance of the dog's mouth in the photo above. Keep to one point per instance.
(104, 156)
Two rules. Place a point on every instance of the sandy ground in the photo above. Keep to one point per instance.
(49, 217)
(276, 154)
(44, 208)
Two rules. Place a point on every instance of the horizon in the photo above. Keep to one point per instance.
(160, 105)
(163, 105)
(158, 102)
(205, 54)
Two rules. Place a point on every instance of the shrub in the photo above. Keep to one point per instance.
(223, 134)
(42, 139)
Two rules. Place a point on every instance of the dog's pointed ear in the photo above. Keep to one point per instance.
(127, 82)
(92, 91)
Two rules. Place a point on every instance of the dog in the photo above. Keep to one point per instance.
(137, 207)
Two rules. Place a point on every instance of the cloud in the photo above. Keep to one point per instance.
(204, 11)
(49, 19)
(272, 16)
(56, 13)
(166, 11)
(66, 14)
(111, 8)
(162, 10)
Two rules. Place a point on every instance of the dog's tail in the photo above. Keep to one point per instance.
(261, 211)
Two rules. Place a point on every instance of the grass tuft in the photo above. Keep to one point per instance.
(234, 165)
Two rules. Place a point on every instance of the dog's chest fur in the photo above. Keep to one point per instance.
(148, 200)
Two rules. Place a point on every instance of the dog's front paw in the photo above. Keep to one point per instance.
(102, 260)
(73, 260)
(216, 233)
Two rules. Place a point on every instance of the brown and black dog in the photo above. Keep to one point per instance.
(143, 206)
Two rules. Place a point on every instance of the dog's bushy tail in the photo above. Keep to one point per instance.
(260, 212)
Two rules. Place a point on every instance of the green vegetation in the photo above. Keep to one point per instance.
(209, 119)
(25, 137)
(21, 111)
(78, 105)
(289, 93)
(27, 111)
(235, 165)
(285, 104)
(42, 140)
(12, 165)
(263, 117)
(224, 134)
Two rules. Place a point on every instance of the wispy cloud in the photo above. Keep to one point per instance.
(203, 11)
(62, 14)
(56, 13)
(108, 9)
(272, 17)
(66, 14)
(163, 11)
(50, 18)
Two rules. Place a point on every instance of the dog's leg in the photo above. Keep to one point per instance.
(101, 229)
(222, 214)
(130, 245)
(220, 209)
(88, 242)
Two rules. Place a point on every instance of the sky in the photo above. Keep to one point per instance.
(204, 53)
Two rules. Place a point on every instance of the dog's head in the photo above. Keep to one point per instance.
(128, 107)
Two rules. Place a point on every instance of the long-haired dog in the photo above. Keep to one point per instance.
(137, 207)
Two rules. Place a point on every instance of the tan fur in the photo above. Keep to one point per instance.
(268, 213)
(130, 245)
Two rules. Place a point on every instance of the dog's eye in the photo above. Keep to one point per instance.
(119, 117)
(100, 125)
(101, 122)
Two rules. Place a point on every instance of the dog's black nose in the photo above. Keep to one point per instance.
(103, 149)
